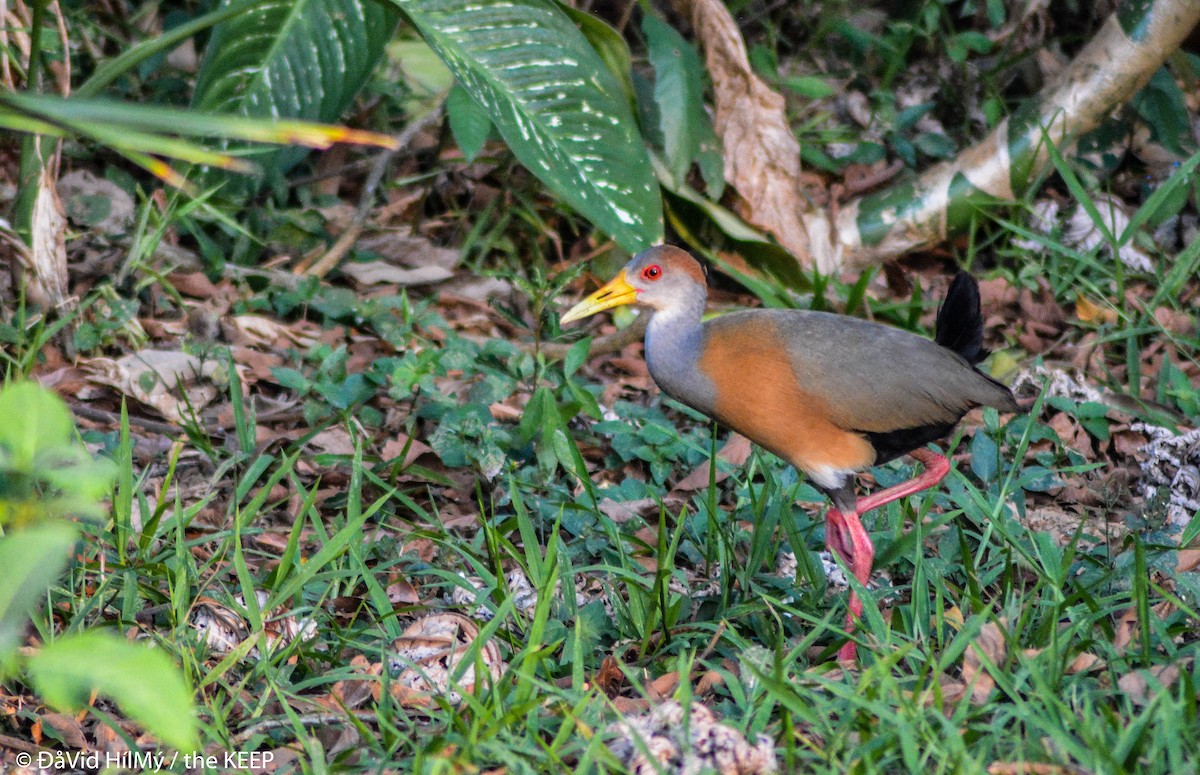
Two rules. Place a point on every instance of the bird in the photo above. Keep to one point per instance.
(830, 394)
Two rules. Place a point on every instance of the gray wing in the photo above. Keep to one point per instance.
(873, 377)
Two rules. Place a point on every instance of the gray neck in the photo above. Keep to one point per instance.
(674, 344)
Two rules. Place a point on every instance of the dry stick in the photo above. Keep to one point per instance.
(96, 414)
(604, 345)
(338, 251)
(307, 720)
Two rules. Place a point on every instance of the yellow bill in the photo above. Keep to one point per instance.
(614, 293)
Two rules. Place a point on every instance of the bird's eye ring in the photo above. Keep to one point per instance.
(652, 272)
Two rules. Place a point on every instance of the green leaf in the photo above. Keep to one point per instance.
(984, 456)
(469, 122)
(937, 146)
(576, 357)
(1161, 105)
(554, 102)
(32, 419)
(32, 559)
(301, 59)
(609, 44)
(679, 92)
(142, 680)
(291, 379)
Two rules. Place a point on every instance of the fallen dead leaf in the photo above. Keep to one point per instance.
(735, 451)
(671, 739)
(989, 645)
(762, 156)
(1033, 768)
(1089, 312)
(1084, 662)
(383, 273)
(96, 203)
(429, 653)
(66, 729)
(1142, 685)
(1187, 560)
(256, 330)
(155, 378)
(332, 441)
(610, 679)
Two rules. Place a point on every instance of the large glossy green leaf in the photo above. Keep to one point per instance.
(557, 106)
(143, 680)
(302, 59)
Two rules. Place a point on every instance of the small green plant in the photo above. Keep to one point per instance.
(46, 477)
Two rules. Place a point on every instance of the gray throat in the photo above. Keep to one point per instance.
(674, 344)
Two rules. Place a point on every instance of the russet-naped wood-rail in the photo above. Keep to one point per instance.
(830, 394)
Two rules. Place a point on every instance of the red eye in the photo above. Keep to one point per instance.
(652, 272)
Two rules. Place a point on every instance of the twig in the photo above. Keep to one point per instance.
(603, 345)
(326, 263)
(308, 720)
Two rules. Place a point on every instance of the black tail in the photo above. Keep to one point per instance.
(959, 324)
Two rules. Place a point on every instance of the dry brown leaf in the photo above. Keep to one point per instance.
(735, 451)
(762, 156)
(1187, 560)
(1084, 662)
(623, 511)
(383, 273)
(67, 729)
(1175, 321)
(45, 265)
(610, 679)
(663, 686)
(1126, 628)
(431, 651)
(1032, 768)
(990, 644)
(402, 592)
(332, 441)
(155, 377)
(96, 203)
(1089, 312)
(1142, 685)
(404, 445)
(259, 331)
(670, 739)
(400, 246)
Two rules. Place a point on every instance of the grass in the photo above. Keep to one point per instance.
(290, 576)
(281, 538)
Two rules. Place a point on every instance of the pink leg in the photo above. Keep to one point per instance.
(845, 535)
(936, 467)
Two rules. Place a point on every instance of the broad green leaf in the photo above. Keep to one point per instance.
(426, 77)
(301, 59)
(679, 92)
(554, 102)
(32, 559)
(609, 44)
(984, 456)
(1161, 105)
(469, 122)
(32, 419)
(143, 681)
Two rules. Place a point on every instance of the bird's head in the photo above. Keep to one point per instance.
(662, 278)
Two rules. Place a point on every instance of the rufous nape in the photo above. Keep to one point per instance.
(830, 394)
